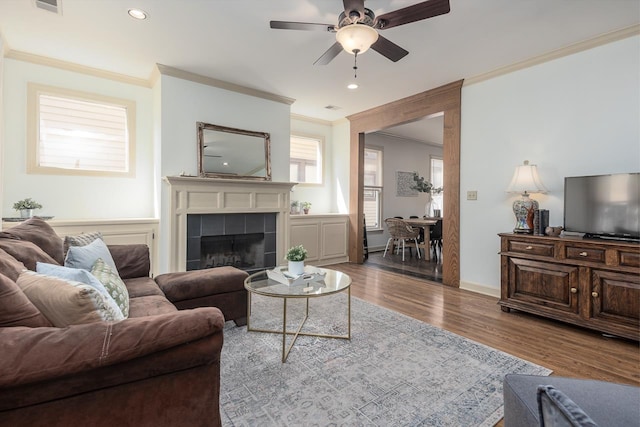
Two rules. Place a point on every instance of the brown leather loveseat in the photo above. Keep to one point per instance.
(158, 367)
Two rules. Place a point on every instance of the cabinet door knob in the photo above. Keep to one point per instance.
(594, 294)
(574, 290)
(583, 254)
(529, 248)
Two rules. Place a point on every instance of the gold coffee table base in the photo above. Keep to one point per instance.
(285, 332)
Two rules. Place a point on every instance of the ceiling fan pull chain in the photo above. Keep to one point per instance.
(355, 63)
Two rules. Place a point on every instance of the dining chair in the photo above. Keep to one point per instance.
(435, 239)
(401, 232)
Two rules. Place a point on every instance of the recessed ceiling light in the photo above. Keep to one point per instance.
(352, 86)
(137, 14)
(225, 163)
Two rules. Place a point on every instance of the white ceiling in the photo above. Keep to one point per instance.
(231, 40)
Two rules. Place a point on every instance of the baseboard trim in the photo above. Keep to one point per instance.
(480, 289)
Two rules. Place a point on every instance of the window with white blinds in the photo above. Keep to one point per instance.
(80, 133)
(305, 160)
(372, 204)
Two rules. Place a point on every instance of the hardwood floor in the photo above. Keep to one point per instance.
(568, 350)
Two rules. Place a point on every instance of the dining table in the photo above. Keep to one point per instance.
(425, 224)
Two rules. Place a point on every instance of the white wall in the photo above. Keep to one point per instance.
(577, 115)
(73, 197)
(405, 156)
(183, 103)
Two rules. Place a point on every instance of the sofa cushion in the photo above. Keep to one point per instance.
(114, 285)
(15, 307)
(81, 276)
(9, 266)
(151, 305)
(85, 256)
(65, 302)
(26, 252)
(200, 283)
(142, 287)
(80, 240)
(40, 233)
(557, 410)
(131, 260)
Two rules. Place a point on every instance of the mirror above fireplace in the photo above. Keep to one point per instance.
(230, 153)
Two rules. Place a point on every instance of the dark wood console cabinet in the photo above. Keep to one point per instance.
(590, 283)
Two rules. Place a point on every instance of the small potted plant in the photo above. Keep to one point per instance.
(306, 206)
(296, 256)
(26, 207)
(295, 207)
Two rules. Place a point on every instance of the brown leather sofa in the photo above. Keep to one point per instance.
(158, 367)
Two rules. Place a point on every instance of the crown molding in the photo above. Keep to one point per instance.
(70, 66)
(210, 81)
(310, 119)
(603, 39)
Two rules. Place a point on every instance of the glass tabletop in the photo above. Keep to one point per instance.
(334, 281)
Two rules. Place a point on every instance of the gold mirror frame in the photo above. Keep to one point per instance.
(225, 152)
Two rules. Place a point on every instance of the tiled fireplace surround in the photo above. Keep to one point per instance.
(215, 201)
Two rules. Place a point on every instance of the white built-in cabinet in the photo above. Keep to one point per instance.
(324, 236)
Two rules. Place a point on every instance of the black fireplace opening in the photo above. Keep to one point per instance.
(243, 240)
(243, 251)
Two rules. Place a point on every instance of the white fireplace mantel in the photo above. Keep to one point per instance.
(194, 195)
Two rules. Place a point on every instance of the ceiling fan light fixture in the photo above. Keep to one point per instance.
(356, 37)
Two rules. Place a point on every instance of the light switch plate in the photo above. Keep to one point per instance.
(472, 195)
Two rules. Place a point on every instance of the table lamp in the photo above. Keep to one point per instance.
(525, 181)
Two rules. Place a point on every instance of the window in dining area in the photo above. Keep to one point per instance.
(437, 179)
(373, 188)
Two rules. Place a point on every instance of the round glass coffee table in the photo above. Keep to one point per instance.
(333, 282)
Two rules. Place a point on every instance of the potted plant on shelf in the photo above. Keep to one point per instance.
(295, 207)
(296, 256)
(26, 207)
(306, 206)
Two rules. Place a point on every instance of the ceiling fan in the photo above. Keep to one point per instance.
(357, 28)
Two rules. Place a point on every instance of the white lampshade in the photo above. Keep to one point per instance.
(356, 37)
(526, 180)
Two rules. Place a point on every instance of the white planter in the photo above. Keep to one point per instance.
(296, 267)
(26, 213)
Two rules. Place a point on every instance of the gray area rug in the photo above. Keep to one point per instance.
(395, 371)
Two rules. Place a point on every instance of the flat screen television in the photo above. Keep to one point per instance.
(603, 206)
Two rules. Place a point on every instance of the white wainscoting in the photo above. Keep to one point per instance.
(324, 236)
(124, 231)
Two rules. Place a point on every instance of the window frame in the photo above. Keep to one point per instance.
(377, 188)
(321, 150)
(34, 91)
(438, 198)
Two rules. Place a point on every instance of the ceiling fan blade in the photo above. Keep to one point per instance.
(305, 26)
(417, 12)
(389, 49)
(351, 5)
(328, 56)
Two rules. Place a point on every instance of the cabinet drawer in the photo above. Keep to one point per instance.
(544, 249)
(629, 259)
(586, 254)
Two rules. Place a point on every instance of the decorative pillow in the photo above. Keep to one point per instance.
(15, 307)
(26, 252)
(556, 409)
(77, 275)
(85, 256)
(65, 302)
(80, 240)
(40, 233)
(114, 285)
